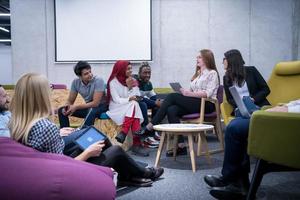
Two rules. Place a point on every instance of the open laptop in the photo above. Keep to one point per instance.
(176, 86)
(239, 102)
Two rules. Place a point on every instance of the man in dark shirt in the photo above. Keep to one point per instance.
(149, 98)
(92, 89)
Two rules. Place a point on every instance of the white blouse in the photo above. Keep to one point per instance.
(207, 82)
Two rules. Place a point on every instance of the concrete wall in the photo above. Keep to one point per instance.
(264, 30)
(5, 65)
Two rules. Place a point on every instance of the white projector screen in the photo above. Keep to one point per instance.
(102, 30)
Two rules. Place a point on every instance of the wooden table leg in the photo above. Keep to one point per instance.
(168, 142)
(204, 141)
(175, 144)
(192, 153)
(199, 144)
(160, 148)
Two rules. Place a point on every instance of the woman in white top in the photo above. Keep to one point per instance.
(123, 94)
(204, 84)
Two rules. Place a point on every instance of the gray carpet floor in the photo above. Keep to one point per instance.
(179, 182)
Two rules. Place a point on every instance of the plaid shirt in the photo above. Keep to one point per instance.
(4, 119)
(44, 136)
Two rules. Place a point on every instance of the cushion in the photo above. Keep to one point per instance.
(104, 116)
(191, 116)
(37, 175)
(287, 68)
(197, 115)
(58, 86)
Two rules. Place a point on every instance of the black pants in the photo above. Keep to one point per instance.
(90, 120)
(236, 164)
(176, 105)
(115, 157)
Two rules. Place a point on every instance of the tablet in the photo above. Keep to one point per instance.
(239, 102)
(90, 136)
(176, 87)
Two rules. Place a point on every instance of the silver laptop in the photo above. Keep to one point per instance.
(176, 86)
(239, 102)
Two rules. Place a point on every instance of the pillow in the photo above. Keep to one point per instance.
(287, 68)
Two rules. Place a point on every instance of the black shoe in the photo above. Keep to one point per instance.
(136, 182)
(229, 192)
(144, 131)
(154, 172)
(180, 152)
(121, 137)
(139, 132)
(215, 181)
(139, 150)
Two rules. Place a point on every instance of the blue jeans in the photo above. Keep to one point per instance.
(146, 104)
(89, 121)
(236, 162)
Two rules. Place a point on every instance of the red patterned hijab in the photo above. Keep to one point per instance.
(119, 72)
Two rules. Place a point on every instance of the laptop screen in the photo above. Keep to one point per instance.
(91, 136)
(176, 86)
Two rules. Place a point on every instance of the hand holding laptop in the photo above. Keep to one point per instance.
(94, 149)
(66, 131)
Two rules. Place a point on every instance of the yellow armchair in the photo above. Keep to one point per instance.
(284, 82)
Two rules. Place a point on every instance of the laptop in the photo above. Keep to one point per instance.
(89, 136)
(176, 86)
(239, 102)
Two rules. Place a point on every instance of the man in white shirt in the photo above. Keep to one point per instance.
(5, 115)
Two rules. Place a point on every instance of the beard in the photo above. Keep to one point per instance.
(3, 108)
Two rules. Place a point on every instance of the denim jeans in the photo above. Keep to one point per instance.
(146, 104)
(236, 162)
(89, 121)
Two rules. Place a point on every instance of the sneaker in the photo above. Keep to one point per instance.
(121, 137)
(151, 146)
(157, 136)
(145, 131)
(180, 152)
(139, 150)
(151, 141)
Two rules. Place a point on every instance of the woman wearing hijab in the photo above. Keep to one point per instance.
(123, 94)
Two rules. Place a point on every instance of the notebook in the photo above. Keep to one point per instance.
(176, 87)
(239, 102)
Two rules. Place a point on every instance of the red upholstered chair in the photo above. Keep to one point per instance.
(211, 118)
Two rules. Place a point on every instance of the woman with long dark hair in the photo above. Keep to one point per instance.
(247, 79)
(234, 181)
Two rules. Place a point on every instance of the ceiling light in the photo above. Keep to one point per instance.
(5, 40)
(4, 14)
(4, 29)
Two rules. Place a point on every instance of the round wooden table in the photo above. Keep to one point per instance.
(189, 130)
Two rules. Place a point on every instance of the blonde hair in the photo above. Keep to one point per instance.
(30, 103)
